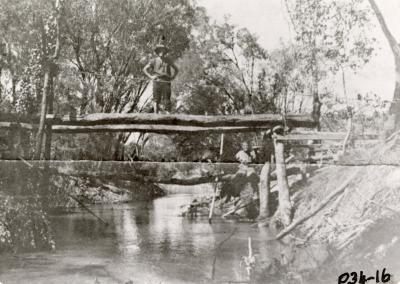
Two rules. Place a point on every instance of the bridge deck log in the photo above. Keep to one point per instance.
(256, 120)
(180, 173)
(149, 128)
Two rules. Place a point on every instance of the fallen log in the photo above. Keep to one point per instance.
(265, 120)
(314, 211)
(241, 206)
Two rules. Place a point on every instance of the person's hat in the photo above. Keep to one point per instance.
(160, 47)
(279, 129)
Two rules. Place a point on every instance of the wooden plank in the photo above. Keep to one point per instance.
(322, 136)
(264, 120)
(312, 136)
(148, 128)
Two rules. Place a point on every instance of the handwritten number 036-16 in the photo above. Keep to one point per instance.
(355, 278)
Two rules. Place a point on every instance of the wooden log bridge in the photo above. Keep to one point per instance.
(170, 123)
(181, 173)
(153, 123)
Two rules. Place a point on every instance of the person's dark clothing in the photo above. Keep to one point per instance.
(161, 68)
(162, 84)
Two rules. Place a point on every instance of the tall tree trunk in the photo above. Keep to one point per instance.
(316, 112)
(118, 154)
(349, 131)
(50, 69)
(394, 45)
(43, 110)
(1, 86)
(14, 90)
(47, 144)
(285, 206)
(349, 114)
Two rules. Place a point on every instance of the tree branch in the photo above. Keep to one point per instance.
(392, 41)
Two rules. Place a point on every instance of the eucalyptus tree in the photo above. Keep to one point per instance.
(395, 47)
(331, 36)
(28, 31)
(222, 72)
(26, 35)
(228, 63)
(109, 42)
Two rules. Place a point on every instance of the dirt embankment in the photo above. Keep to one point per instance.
(361, 222)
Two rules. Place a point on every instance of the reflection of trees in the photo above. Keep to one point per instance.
(179, 235)
(129, 238)
(142, 214)
(24, 223)
(182, 245)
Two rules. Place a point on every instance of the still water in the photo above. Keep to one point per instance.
(146, 242)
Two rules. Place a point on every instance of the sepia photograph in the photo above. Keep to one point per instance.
(199, 141)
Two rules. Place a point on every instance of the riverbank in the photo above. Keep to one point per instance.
(352, 209)
(346, 215)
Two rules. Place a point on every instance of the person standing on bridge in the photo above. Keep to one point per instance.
(161, 70)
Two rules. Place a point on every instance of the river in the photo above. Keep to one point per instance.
(145, 242)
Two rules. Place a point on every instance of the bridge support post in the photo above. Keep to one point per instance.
(265, 176)
(285, 206)
(264, 190)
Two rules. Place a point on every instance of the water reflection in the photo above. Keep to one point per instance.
(146, 242)
(127, 234)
